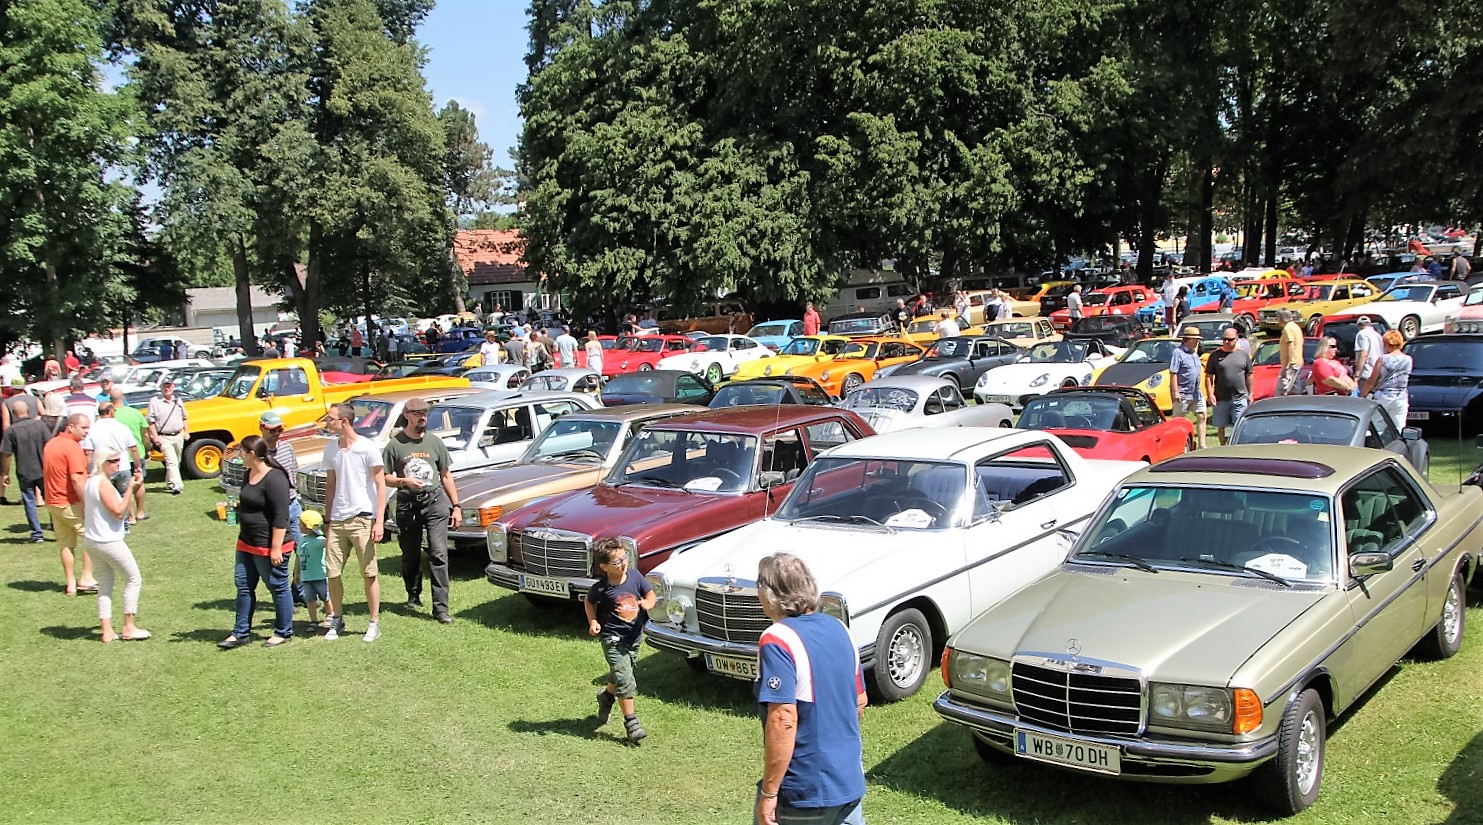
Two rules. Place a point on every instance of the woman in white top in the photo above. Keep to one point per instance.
(104, 508)
(593, 348)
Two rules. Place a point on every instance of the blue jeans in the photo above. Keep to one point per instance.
(852, 813)
(251, 569)
(30, 488)
(295, 509)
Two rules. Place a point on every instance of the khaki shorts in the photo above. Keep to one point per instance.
(342, 537)
(1186, 406)
(66, 522)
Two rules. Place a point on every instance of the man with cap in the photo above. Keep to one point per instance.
(490, 352)
(420, 469)
(1186, 375)
(105, 389)
(1368, 347)
(170, 428)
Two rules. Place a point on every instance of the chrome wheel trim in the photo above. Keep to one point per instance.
(1310, 749)
(1452, 615)
(906, 657)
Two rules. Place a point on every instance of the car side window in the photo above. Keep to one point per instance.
(826, 434)
(1019, 477)
(507, 426)
(783, 453)
(1361, 291)
(1381, 511)
(951, 398)
(688, 388)
(1446, 291)
(549, 411)
(1121, 298)
(1147, 415)
(812, 394)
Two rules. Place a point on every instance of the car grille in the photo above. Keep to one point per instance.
(233, 472)
(553, 552)
(311, 487)
(734, 616)
(1077, 702)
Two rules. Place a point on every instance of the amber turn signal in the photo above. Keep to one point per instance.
(1248, 711)
(947, 679)
(489, 515)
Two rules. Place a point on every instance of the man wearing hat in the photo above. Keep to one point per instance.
(1368, 347)
(420, 469)
(270, 426)
(105, 389)
(1187, 376)
(170, 428)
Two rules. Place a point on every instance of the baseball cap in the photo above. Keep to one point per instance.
(311, 519)
(18, 381)
(271, 420)
(1363, 320)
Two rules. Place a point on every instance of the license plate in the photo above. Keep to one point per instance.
(733, 667)
(1000, 399)
(544, 584)
(1417, 415)
(1058, 751)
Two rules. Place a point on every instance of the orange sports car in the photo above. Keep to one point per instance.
(857, 362)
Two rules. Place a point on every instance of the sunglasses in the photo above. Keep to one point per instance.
(417, 412)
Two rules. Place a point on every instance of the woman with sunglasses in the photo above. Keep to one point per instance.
(263, 545)
(104, 508)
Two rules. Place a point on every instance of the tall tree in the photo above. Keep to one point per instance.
(470, 178)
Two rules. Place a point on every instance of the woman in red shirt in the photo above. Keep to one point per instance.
(262, 551)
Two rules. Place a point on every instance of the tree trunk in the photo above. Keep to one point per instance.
(368, 340)
(1271, 251)
(308, 306)
(244, 299)
(455, 280)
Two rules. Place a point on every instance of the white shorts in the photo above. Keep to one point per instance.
(1185, 406)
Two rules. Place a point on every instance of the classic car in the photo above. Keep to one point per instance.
(718, 316)
(1252, 296)
(680, 481)
(1205, 290)
(1446, 380)
(564, 379)
(1320, 298)
(495, 426)
(806, 349)
(909, 536)
(1412, 308)
(1219, 612)
(1211, 325)
(1026, 300)
(639, 353)
(775, 334)
(861, 323)
(857, 362)
(377, 416)
(1330, 419)
(498, 377)
(1024, 332)
(657, 387)
(574, 453)
(716, 356)
(1266, 366)
(1119, 423)
(923, 329)
(397, 369)
(1054, 299)
(1041, 369)
(1145, 365)
(780, 389)
(1386, 280)
(1468, 318)
(903, 402)
(1112, 300)
(963, 359)
(1118, 331)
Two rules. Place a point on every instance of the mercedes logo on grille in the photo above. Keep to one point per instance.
(1073, 647)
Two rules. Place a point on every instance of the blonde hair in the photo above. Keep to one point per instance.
(101, 457)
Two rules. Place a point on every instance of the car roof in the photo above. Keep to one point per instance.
(920, 383)
(634, 412)
(569, 371)
(1358, 407)
(1322, 469)
(1098, 389)
(484, 398)
(755, 419)
(935, 442)
(432, 394)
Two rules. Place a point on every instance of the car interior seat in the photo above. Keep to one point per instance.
(1051, 420)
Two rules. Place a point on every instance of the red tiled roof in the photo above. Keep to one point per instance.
(490, 256)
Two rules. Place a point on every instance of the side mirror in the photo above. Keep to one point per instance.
(770, 478)
(1411, 434)
(1368, 564)
(262, 391)
(1477, 442)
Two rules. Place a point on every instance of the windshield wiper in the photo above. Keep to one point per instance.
(654, 481)
(1133, 560)
(1225, 565)
(571, 454)
(838, 519)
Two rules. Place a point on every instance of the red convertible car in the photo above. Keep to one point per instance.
(634, 353)
(1266, 367)
(1120, 423)
(679, 482)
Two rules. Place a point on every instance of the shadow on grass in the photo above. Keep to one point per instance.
(942, 765)
(69, 633)
(202, 636)
(666, 676)
(583, 728)
(33, 586)
(516, 614)
(217, 604)
(1462, 783)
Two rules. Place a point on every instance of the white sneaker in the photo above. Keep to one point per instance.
(334, 631)
(373, 632)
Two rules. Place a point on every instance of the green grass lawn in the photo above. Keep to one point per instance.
(490, 719)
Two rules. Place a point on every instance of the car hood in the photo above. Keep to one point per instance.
(1433, 390)
(1020, 375)
(1124, 618)
(936, 366)
(738, 553)
(1130, 375)
(514, 478)
(605, 510)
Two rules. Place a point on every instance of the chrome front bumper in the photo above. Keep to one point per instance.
(677, 640)
(1160, 760)
(503, 575)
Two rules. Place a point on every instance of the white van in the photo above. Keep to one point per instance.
(870, 290)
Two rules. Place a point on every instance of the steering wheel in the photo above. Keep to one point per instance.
(726, 475)
(932, 508)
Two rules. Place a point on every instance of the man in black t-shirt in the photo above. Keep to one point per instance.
(420, 468)
(1228, 381)
(24, 440)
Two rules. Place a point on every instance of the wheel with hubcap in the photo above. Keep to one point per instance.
(1069, 382)
(1445, 639)
(903, 655)
(1410, 327)
(1289, 783)
(1313, 324)
(203, 458)
(646, 367)
(713, 372)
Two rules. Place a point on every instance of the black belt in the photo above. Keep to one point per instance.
(177, 432)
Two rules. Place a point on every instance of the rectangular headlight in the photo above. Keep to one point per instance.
(984, 675)
(833, 604)
(660, 583)
(1190, 706)
(497, 542)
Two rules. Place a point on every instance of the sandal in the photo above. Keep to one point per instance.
(114, 638)
(231, 643)
(88, 588)
(137, 636)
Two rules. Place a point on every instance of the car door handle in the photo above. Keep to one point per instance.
(1048, 524)
(1418, 564)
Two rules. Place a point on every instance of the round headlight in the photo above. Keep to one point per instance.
(676, 609)
(1166, 701)
(825, 376)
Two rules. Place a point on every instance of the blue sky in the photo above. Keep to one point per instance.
(477, 57)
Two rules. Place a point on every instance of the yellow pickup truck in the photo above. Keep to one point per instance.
(288, 386)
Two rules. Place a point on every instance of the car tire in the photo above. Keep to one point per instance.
(903, 655)
(203, 458)
(713, 372)
(1313, 324)
(646, 368)
(1248, 320)
(1410, 327)
(850, 383)
(1444, 640)
(1290, 782)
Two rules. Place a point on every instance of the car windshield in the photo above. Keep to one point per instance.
(876, 398)
(697, 462)
(1473, 298)
(1217, 531)
(1056, 352)
(371, 416)
(1446, 356)
(1017, 329)
(400, 370)
(714, 343)
(1408, 292)
(637, 383)
(801, 346)
(858, 350)
(880, 493)
(1074, 412)
(1308, 427)
(850, 325)
(1104, 323)
(775, 330)
(922, 325)
(240, 385)
(574, 439)
(1320, 292)
(741, 395)
(452, 423)
(1269, 353)
(949, 348)
(1149, 352)
(625, 344)
(649, 345)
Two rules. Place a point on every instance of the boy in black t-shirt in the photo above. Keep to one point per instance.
(617, 608)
